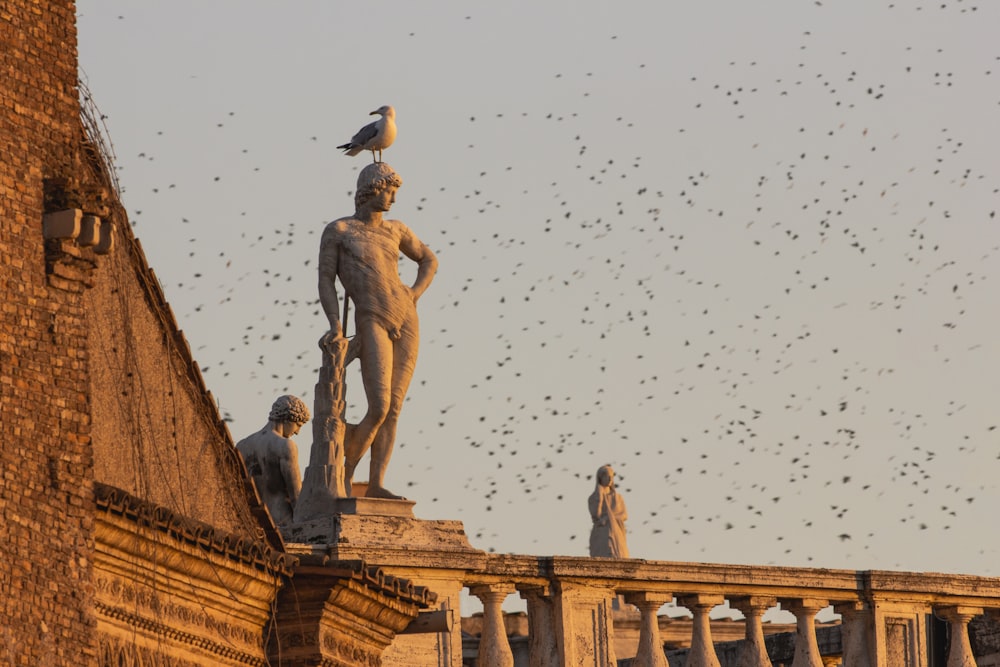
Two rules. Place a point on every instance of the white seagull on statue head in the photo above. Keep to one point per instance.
(375, 136)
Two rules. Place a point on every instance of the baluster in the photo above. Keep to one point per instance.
(494, 649)
(650, 652)
(754, 652)
(960, 653)
(542, 648)
(702, 652)
(806, 647)
(856, 627)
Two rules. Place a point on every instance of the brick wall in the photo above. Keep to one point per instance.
(46, 487)
(156, 432)
(96, 380)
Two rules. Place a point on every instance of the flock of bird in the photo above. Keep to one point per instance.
(765, 298)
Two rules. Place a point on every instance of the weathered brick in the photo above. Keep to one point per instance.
(41, 139)
(65, 420)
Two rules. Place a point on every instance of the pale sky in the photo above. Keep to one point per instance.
(744, 252)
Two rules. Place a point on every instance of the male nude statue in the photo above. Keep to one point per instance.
(272, 459)
(363, 251)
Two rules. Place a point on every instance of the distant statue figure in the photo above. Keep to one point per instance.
(607, 509)
(272, 458)
(363, 252)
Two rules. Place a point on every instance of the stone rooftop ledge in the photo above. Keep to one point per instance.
(240, 548)
(371, 576)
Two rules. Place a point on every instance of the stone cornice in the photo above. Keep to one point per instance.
(178, 587)
(932, 587)
(340, 613)
(369, 576)
(683, 577)
(243, 549)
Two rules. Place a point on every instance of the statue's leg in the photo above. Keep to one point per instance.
(350, 457)
(404, 359)
(376, 352)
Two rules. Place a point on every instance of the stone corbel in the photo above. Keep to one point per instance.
(66, 233)
(90, 231)
(62, 224)
(433, 621)
(106, 242)
(72, 224)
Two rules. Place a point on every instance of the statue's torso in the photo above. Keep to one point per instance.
(368, 267)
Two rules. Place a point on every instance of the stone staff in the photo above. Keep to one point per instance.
(324, 478)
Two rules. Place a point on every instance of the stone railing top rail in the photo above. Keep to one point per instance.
(733, 581)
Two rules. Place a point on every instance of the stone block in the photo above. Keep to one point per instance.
(62, 224)
(375, 506)
(90, 231)
(106, 243)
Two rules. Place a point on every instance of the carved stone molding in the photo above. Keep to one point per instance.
(172, 591)
(325, 648)
(161, 613)
(352, 653)
(118, 652)
(133, 616)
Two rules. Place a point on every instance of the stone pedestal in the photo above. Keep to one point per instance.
(583, 624)
(377, 530)
(384, 533)
(900, 633)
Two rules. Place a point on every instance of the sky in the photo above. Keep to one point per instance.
(746, 253)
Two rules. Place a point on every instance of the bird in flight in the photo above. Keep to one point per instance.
(375, 136)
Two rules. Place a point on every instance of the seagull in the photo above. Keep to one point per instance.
(375, 136)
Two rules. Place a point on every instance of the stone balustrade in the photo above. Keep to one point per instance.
(571, 604)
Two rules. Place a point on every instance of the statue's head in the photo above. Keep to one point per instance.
(373, 179)
(605, 476)
(290, 409)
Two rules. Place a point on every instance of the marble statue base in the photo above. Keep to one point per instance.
(362, 527)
